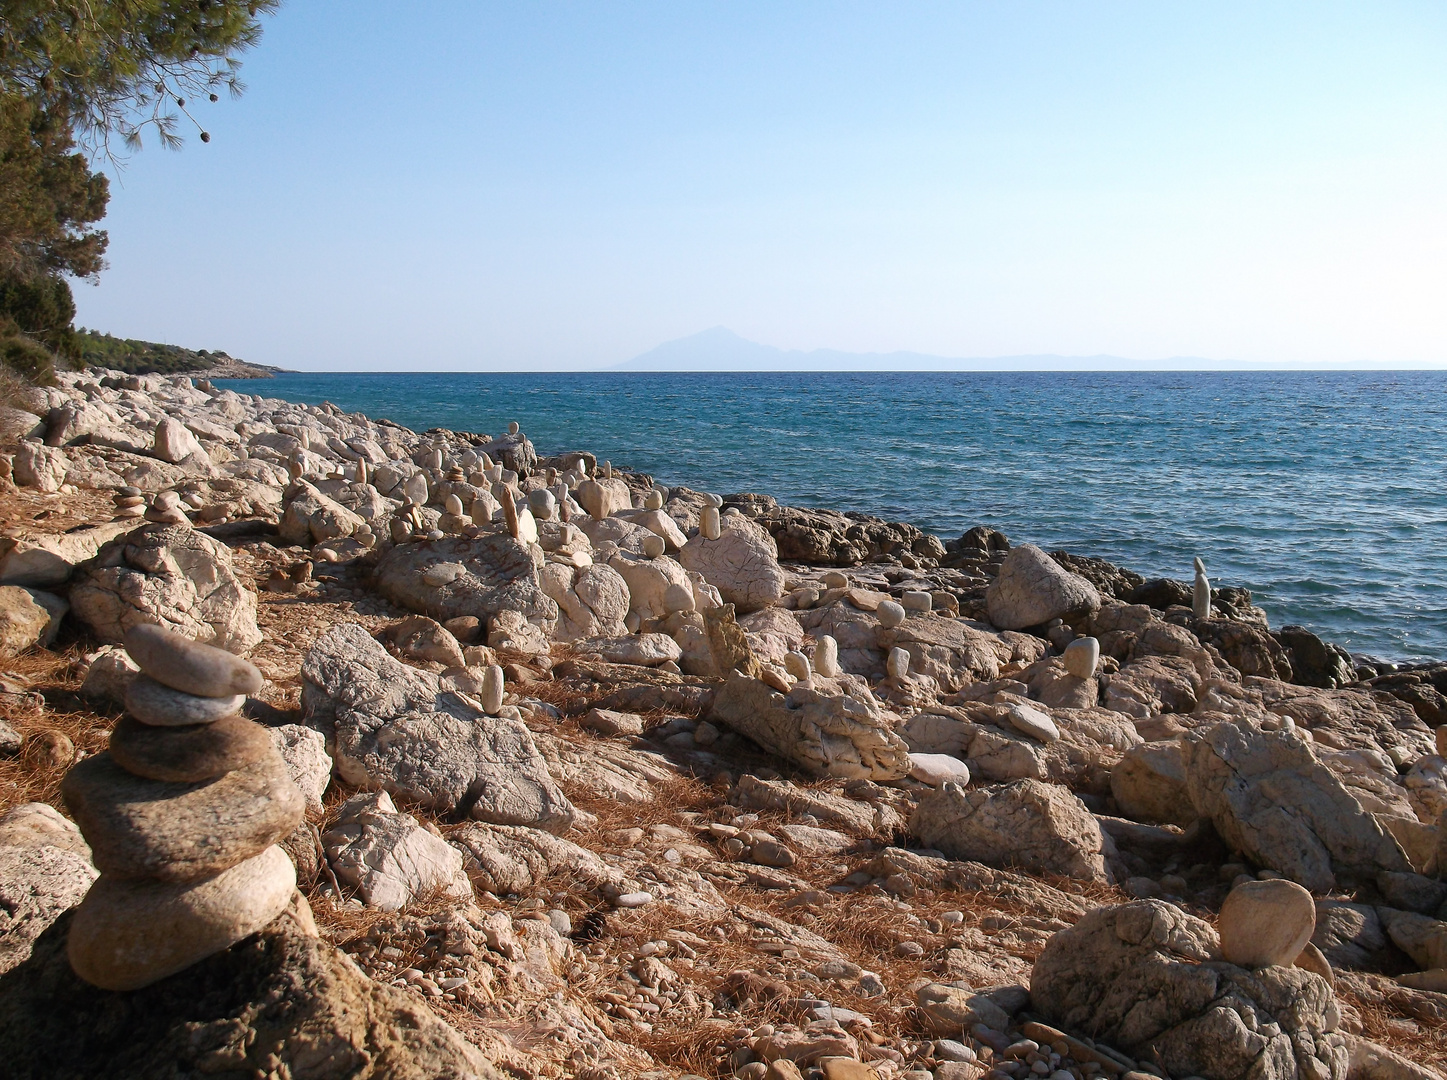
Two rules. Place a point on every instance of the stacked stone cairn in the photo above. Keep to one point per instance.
(183, 813)
(130, 503)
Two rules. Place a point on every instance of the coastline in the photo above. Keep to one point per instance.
(834, 763)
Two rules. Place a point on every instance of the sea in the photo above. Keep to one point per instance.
(1324, 493)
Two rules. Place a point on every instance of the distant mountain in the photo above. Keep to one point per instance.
(720, 349)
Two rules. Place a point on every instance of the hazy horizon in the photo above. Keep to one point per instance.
(476, 187)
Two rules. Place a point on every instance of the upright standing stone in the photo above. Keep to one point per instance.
(897, 666)
(1081, 657)
(1201, 593)
(826, 657)
(509, 509)
(708, 523)
(492, 690)
(1265, 923)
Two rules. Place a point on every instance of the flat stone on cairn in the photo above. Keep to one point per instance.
(182, 814)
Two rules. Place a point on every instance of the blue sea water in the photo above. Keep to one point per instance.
(1325, 493)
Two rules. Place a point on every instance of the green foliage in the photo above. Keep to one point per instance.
(118, 66)
(142, 357)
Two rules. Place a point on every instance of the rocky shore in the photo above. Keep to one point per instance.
(332, 749)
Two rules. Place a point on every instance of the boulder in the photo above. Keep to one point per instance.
(1149, 784)
(281, 1002)
(743, 564)
(1248, 648)
(1147, 978)
(419, 638)
(40, 466)
(44, 562)
(108, 675)
(1032, 588)
(393, 727)
(175, 442)
(1039, 827)
(1273, 801)
(311, 517)
(454, 576)
(388, 857)
(829, 734)
(169, 575)
(950, 651)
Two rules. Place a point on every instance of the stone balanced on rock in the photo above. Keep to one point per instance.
(183, 813)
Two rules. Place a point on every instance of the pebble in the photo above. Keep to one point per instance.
(633, 900)
(189, 666)
(1081, 657)
(139, 828)
(129, 934)
(890, 614)
(1033, 722)
(653, 500)
(797, 665)
(188, 754)
(951, 1050)
(492, 690)
(152, 703)
(1265, 923)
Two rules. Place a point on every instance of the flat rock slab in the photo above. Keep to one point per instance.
(152, 703)
(188, 755)
(393, 727)
(189, 666)
(142, 828)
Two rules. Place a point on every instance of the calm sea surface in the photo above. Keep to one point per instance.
(1325, 493)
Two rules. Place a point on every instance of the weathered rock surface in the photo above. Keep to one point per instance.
(743, 564)
(282, 999)
(1032, 588)
(1149, 784)
(1146, 978)
(950, 651)
(171, 575)
(453, 576)
(826, 734)
(307, 761)
(1272, 800)
(393, 727)
(388, 857)
(504, 859)
(1036, 826)
(24, 621)
(45, 869)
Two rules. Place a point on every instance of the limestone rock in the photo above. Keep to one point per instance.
(504, 859)
(1081, 657)
(612, 722)
(108, 675)
(936, 770)
(394, 727)
(40, 466)
(312, 517)
(307, 760)
(1033, 588)
(1146, 978)
(180, 832)
(1271, 799)
(38, 825)
(388, 857)
(454, 576)
(174, 441)
(23, 621)
(419, 638)
(38, 881)
(282, 1002)
(1149, 784)
(46, 561)
(949, 651)
(129, 934)
(1039, 827)
(188, 755)
(743, 564)
(826, 734)
(1265, 923)
(171, 575)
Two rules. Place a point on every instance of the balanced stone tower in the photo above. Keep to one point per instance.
(182, 815)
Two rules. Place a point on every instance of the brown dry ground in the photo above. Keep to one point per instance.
(38, 696)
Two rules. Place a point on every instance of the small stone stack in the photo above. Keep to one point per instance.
(182, 814)
(130, 503)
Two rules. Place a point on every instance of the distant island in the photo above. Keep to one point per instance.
(720, 349)
(134, 357)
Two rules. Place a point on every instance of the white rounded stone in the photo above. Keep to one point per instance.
(833, 579)
(917, 600)
(890, 614)
(797, 665)
(708, 523)
(543, 503)
(512, 428)
(653, 500)
(1201, 593)
(897, 665)
(1033, 722)
(826, 657)
(1081, 657)
(653, 546)
(453, 505)
(492, 690)
(938, 769)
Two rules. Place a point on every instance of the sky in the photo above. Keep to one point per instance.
(490, 186)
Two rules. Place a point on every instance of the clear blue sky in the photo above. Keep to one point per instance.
(485, 185)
